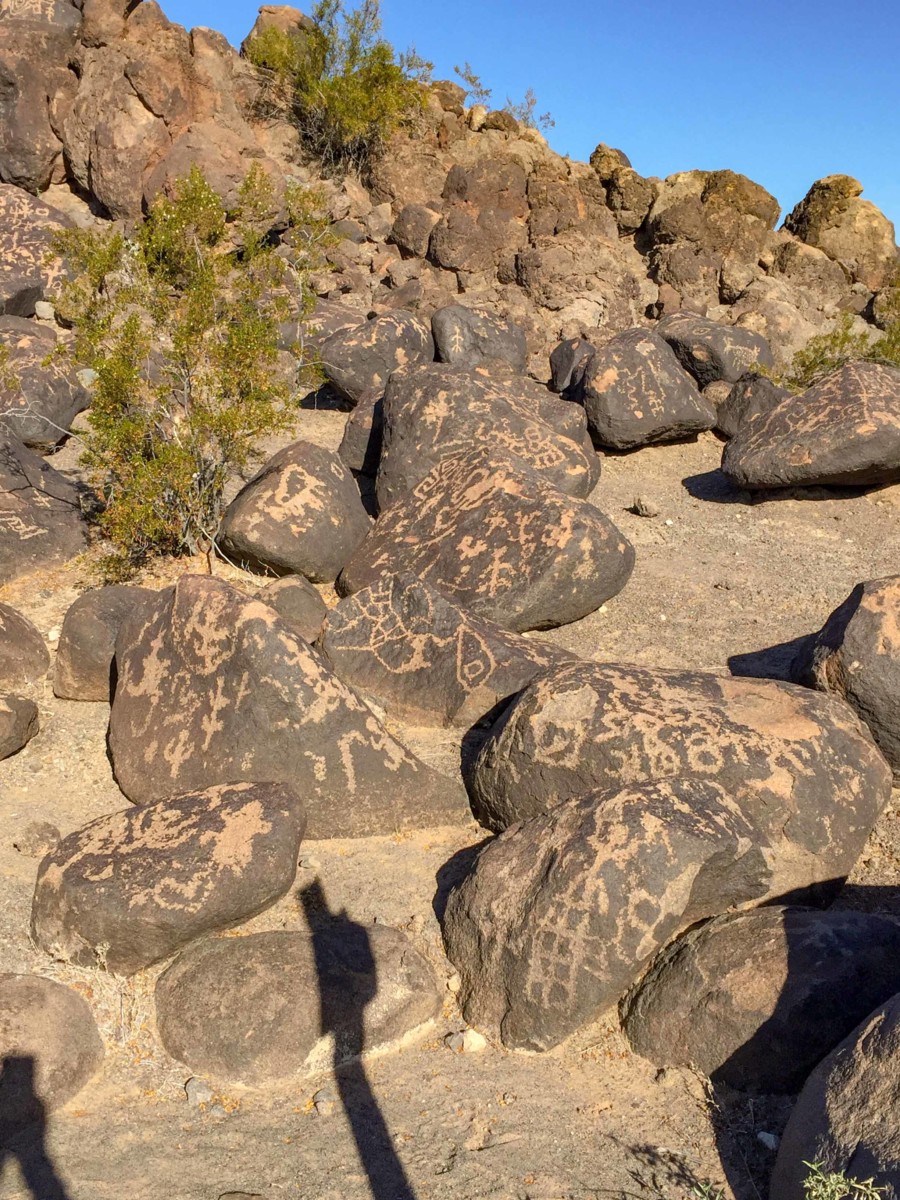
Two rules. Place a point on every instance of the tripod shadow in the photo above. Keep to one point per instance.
(345, 967)
(23, 1129)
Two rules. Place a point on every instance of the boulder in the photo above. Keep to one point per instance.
(133, 887)
(254, 1009)
(412, 228)
(40, 395)
(499, 541)
(215, 688)
(300, 513)
(435, 410)
(467, 337)
(846, 1116)
(567, 364)
(40, 515)
(49, 1047)
(362, 359)
(27, 229)
(561, 913)
(853, 232)
(297, 603)
(710, 351)
(757, 999)
(800, 765)
(634, 392)
(18, 723)
(753, 395)
(842, 431)
(24, 659)
(360, 447)
(87, 641)
(425, 660)
(856, 655)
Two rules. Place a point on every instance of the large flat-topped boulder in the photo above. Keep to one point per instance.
(214, 688)
(499, 541)
(40, 515)
(27, 229)
(843, 431)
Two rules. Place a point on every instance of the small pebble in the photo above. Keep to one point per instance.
(325, 1102)
(44, 311)
(771, 1141)
(644, 508)
(470, 1041)
(37, 839)
(53, 635)
(217, 1110)
(454, 983)
(669, 521)
(198, 1092)
(309, 863)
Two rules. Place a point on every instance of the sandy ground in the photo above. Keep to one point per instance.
(720, 583)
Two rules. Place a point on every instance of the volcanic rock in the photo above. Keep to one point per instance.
(24, 659)
(87, 642)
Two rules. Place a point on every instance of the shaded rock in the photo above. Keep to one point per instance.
(806, 772)
(18, 723)
(499, 541)
(845, 1117)
(27, 228)
(844, 430)
(24, 658)
(49, 1047)
(753, 395)
(856, 655)
(39, 395)
(300, 513)
(360, 447)
(607, 159)
(253, 1009)
(362, 359)
(40, 515)
(710, 351)
(567, 364)
(412, 228)
(436, 410)
(298, 603)
(561, 913)
(328, 318)
(87, 641)
(634, 392)
(143, 883)
(853, 232)
(466, 337)
(214, 688)
(425, 660)
(757, 999)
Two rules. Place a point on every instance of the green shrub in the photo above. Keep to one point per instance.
(180, 322)
(523, 110)
(821, 1184)
(343, 84)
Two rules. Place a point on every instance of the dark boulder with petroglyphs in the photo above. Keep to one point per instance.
(24, 658)
(360, 359)
(856, 655)
(87, 640)
(466, 337)
(801, 765)
(131, 888)
(752, 396)
(561, 913)
(634, 392)
(567, 363)
(756, 999)
(28, 270)
(300, 513)
(711, 351)
(360, 447)
(41, 523)
(40, 395)
(499, 541)
(298, 603)
(842, 431)
(18, 723)
(427, 661)
(215, 688)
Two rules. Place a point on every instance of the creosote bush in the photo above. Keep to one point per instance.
(523, 110)
(180, 322)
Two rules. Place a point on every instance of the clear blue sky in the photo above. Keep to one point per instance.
(784, 91)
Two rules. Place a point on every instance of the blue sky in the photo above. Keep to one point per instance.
(784, 91)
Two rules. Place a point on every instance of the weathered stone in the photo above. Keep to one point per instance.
(362, 359)
(412, 228)
(634, 392)
(215, 688)
(502, 120)
(87, 641)
(844, 430)
(846, 1116)
(852, 231)
(757, 999)
(39, 395)
(801, 765)
(630, 197)
(436, 410)
(298, 603)
(328, 318)
(300, 513)
(753, 395)
(280, 17)
(856, 655)
(275, 995)
(24, 659)
(466, 337)
(49, 1047)
(711, 351)
(607, 159)
(360, 447)
(561, 913)
(28, 227)
(425, 660)
(567, 365)
(499, 541)
(40, 515)
(133, 887)
(18, 723)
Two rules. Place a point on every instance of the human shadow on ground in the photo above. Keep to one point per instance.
(348, 982)
(23, 1129)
